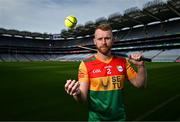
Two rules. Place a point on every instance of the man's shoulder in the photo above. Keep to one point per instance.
(121, 59)
(89, 59)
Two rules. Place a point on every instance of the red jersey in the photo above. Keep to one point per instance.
(106, 83)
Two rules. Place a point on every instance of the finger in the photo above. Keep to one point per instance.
(67, 87)
(67, 84)
(135, 56)
(70, 86)
(77, 92)
(137, 63)
(132, 60)
(138, 56)
(75, 88)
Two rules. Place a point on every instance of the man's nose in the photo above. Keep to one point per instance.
(104, 41)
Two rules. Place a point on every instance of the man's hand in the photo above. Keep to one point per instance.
(141, 77)
(72, 87)
(135, 59)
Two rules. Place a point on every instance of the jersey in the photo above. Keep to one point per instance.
(106, 83)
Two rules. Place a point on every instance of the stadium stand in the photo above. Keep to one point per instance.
(167, 56)
(152, 53)
(153, 30)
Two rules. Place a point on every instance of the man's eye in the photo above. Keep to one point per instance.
(107, 38)
(100, 39)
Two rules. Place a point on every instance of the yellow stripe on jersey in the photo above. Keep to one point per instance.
(131, 73)
(82, 73)
(107, 83)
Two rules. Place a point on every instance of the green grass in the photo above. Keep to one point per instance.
(35, 91)
(163, 84)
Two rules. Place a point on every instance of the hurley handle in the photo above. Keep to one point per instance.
(125, 55)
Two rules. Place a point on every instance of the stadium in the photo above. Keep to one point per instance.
(35, 66)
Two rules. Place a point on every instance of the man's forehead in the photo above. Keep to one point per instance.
(101, 32)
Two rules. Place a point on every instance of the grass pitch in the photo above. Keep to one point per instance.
(35, 91)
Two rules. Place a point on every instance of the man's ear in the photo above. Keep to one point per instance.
(94, 41)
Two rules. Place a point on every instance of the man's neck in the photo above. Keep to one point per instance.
(104, 57)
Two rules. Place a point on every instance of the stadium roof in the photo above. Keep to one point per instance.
(152, 11)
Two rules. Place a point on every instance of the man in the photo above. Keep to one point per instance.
(101, 79)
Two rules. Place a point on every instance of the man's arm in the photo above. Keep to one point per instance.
(78, 90)
(141, 77)
(82, 94)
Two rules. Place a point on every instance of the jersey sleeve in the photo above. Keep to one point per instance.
(131, 73)
(82, 73)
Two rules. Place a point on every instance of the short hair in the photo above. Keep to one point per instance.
(104, 27)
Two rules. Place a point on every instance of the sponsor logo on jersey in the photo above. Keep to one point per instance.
(120, 68)
(96, 71)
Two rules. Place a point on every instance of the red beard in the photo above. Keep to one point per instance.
(104, 49)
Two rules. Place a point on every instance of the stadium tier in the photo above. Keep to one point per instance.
(154, 31)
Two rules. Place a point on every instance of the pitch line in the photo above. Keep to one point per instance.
(157, 107)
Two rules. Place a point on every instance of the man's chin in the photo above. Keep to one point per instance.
(104, 52)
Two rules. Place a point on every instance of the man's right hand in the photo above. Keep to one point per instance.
(72, 87)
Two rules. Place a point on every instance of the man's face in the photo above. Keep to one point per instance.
(103, 41)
